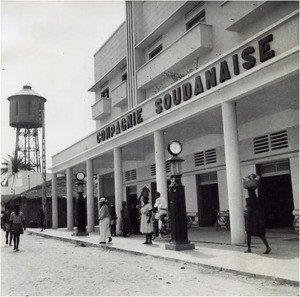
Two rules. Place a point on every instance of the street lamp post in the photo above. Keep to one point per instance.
(179, 237)
(81, 208)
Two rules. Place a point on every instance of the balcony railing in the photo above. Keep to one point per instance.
(119, 95)
(101, 108)
(193, 43)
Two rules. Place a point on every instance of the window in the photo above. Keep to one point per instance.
(205, 157)
(155, 52)
(124, 76)
(130, 175)
(199, 18)
(270, 142)
(105, 93)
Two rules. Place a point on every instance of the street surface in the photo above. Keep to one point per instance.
(50, 267)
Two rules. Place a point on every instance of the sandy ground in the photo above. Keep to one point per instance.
(49, 267)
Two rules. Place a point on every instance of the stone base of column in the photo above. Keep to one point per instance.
(179, 246)
(81, 233)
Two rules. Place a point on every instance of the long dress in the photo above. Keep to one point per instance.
(146, 227)
(125, 219)
(255, 221)
(104, 219)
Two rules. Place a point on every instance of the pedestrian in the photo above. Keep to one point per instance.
(134, 219)
(113, 220)
(255, 220)
(146, 220)
(41, 219)
(104, 219)
(144, 193)
(125, 220)
(17, 220)
(161, 207)
(6, 224)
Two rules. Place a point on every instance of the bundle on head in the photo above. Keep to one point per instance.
(251, 181)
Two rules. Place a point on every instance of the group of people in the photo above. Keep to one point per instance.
(13, 222)
(142, 217)
(149, 224)
(13, 225)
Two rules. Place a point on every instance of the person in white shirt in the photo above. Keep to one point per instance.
(162, 208)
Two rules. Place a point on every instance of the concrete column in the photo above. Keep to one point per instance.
(54, 202)
(70, 213)
(100, 185)
(118, 174)
(233, 173)
(160, 163)
(90, 195)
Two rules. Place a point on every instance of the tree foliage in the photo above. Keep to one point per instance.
(11, 165)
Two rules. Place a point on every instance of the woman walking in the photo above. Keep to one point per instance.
(255, 221)
(104, 219)
(146, 220)
(17, 221)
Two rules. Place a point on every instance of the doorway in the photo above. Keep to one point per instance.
(208, 198)
(276, 192)
(131, 196)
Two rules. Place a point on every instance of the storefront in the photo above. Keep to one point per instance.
(234, 108)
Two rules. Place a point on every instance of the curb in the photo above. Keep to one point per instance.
(281, 281)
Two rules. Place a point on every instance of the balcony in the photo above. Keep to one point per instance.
(101, 108)
(193, 43)
(248, 12)
(119, 95)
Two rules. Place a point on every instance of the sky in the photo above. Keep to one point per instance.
(51, 46)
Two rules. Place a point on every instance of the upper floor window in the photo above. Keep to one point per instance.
(124, 76)
(199, 18)
(155, 52)
(105, 93)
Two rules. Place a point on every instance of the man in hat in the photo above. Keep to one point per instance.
(104, 219)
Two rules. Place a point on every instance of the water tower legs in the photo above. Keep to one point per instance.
(27, 148)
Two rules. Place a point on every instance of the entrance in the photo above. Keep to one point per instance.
(276, 191)
(131, 196)
(208, 198)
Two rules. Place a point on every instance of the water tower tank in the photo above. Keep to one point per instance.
(25, 109)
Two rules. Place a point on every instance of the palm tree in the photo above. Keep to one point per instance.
(11, 166)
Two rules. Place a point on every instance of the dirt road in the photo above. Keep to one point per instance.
(50, 267)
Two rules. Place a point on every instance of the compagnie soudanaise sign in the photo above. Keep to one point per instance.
(227, 68)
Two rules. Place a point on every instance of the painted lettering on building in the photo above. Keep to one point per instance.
(211, 78)
(132, 119)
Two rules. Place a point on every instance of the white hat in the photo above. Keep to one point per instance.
(103, 199)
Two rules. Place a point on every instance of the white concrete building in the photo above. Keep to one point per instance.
(222, 77)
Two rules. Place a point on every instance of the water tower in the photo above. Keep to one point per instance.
(27, 110)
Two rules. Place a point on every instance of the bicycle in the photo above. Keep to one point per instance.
(191, 219)
(296, 220)
(165, 227)
(222, 220)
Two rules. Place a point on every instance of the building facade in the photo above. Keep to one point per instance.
(222, 77)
